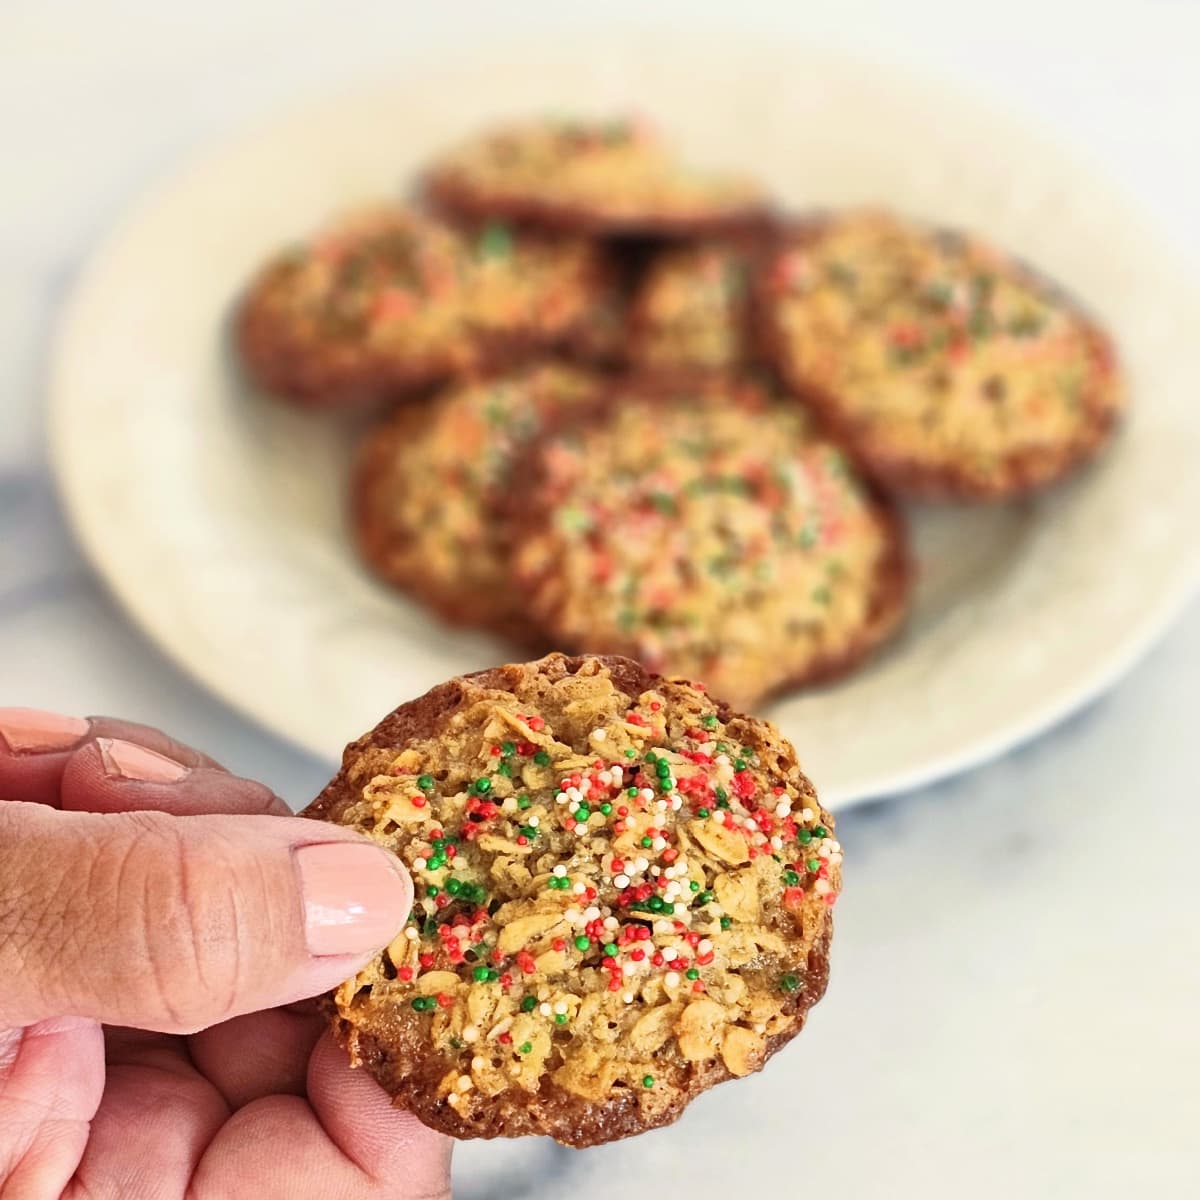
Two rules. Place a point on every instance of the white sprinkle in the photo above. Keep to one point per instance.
(411, 934)
(585, 787)
(704, 946)
(478, 1063)
(671, 979)
(822, 887)
(760, 1028)
(573, 806)
(676, 803)
(573, 916)
(610, 923)
(560, 798)
(574, 793)
(621, 882)
(681, 868)
(723, 759)
(823, 850)
(560, 870)
(591, 913)
(545, 1010)
(659, 843)
(560, 1006)
(836, 847)
(515, 1070)
(534, 822)
(806, 814)
(646, 794)
(777, 842)
(656, 870)
(470, 1033)
(628, 968)
(669, 953)
(618, 776)
(641, 863)
(669, 873)
(783, 808)
(599, 734)
(464, 1083)
(418, 864)
(605, 778)
(663, 927)
(628, 997)
(661, 805)
(579, 888)
(454, 1099)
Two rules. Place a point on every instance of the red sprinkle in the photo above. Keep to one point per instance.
(405, 973)
(559, 944)
(444, 1000)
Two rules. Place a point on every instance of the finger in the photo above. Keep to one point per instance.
(35, 747)
(348, 1143)
(260, 1054)
(110, 775)
(176, 923)
(360, 1118)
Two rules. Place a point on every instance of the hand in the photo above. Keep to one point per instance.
(160, 921)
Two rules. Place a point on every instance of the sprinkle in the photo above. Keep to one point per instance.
(560, 870)
(424, 782)
(545, 1009)
(464, 1083)
(599, 735)
(647, 1081)
(419, 864)
(478, 1063)
(671, 979)
(628, 997)
(542, 758)
(470, 1033)
(621, 882)
(528, 1004)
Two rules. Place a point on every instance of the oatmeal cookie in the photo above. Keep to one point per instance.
(707, 529)
(949, 368)
(600, 177)
(390, 299)
(624, 895)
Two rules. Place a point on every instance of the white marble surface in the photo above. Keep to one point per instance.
(1017, 973)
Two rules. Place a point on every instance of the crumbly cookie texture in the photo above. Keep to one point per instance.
(389, 299)
(427, 482)
(623, 896)
(600, 177)
(708, 530)
(949, 367)
(692, 310)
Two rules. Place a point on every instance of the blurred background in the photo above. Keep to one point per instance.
(1017, 969)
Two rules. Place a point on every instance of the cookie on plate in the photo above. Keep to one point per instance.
(950, 369)
(692, 309)
(706, 528)
(623, 896)
(390, 299)
(600, 177)
(427, 482)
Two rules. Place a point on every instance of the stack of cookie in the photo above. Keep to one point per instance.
(633, 409)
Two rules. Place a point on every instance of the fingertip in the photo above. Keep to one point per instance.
(381, 1138)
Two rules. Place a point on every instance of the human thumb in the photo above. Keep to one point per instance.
(173, 923)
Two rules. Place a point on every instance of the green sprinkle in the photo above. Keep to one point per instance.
(663, 767)
(529, 831)
(507, 748)
(692, 973)
(726, 922)
(610, 950)
(480, 974)
(804, 837)
(702, 812)
(821, 832)
(432, 891)
(739, 764)
(694, 885)
(606, 808)
(454, 886)
(483, 786)
(524, 802)
(525, 1047)
(631, 791)
(791, 878)
(542, 758)
(421, 1003)
(709, 722)
(631, 753)
(704, 898)
(424, 782)
(582, 813)
(455, 1044)
(647, 842)
(560, 1018)
(582, 943)
(722, 795)
(495, 241)
(649, 756)
(813, 864)
(505, 770)
(789, 983)
(647, 1081)
(667, 908)
(528, 1004)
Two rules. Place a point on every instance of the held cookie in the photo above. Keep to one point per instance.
(692, 310)
(951, 369)
(612, 177)
(427, 481)
(708, 530)
(389, 300)
(623, 896)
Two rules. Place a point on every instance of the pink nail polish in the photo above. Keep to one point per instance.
(127, 760)
(356, 897)
(32, 731)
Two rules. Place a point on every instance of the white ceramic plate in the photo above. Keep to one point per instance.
(216, 518)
